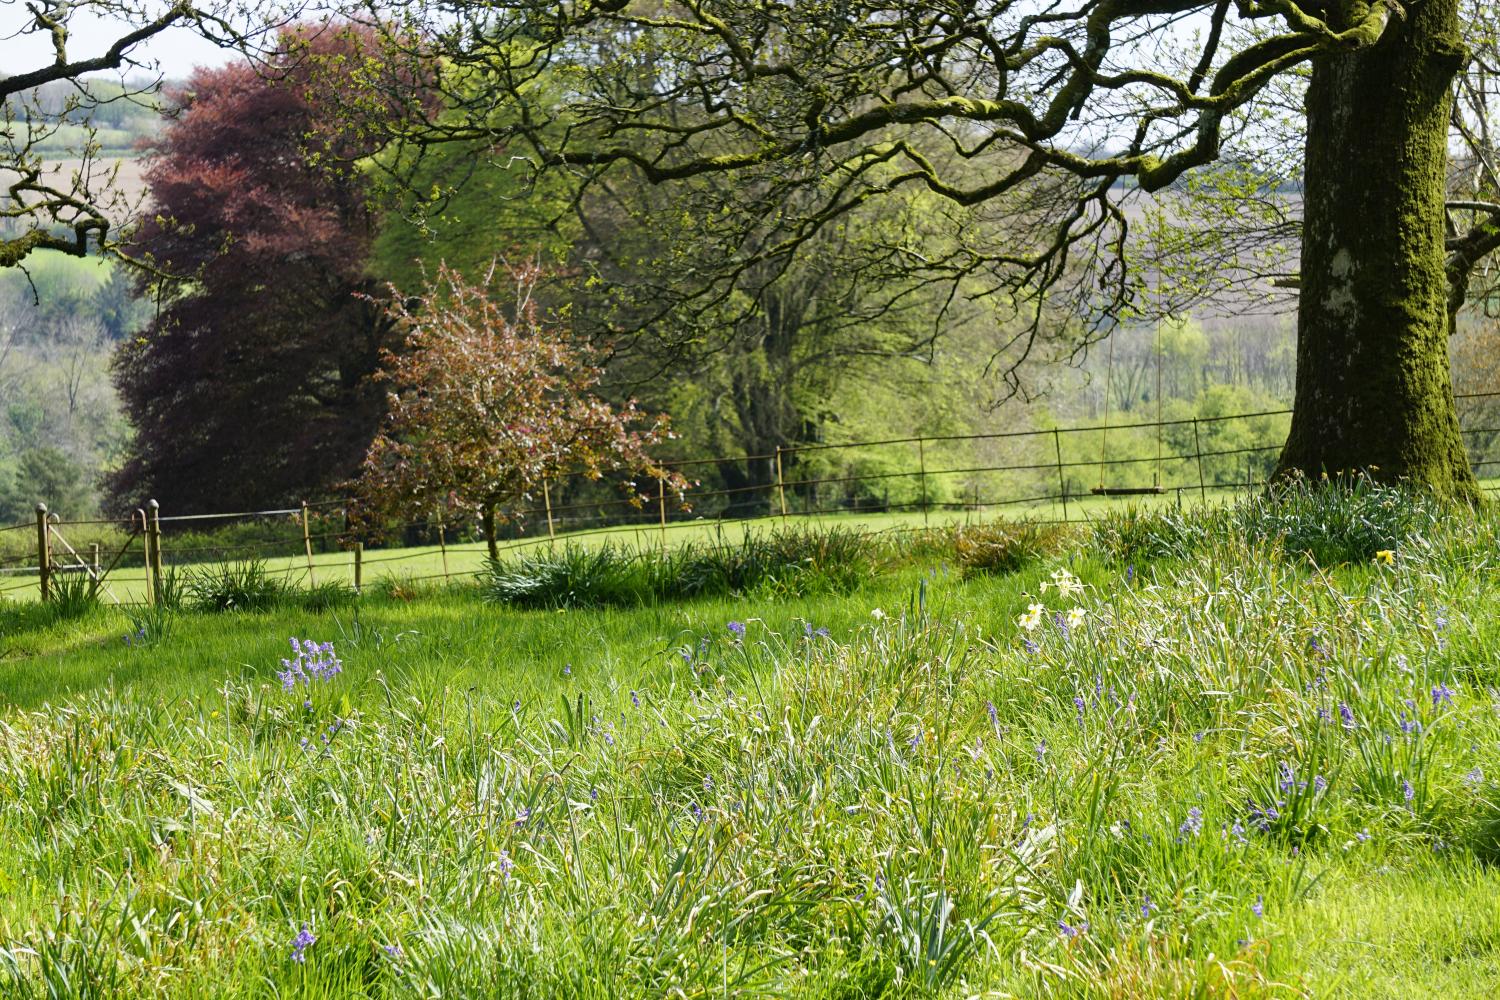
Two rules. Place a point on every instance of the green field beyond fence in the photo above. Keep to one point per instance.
(1072, 474)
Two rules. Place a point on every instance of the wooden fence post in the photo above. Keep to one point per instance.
(1062, 483)
(359, 566)
(94, 558)
(145, 530)
(780, 486)
(153, 546)
(43, 552)
(443, 543)
(307, 546)
(547, 499)
(922, 467)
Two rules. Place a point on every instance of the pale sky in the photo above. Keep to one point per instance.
(175, 51)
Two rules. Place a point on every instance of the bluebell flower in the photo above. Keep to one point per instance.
(1193, 825)
(1146, 907)
(1347, 714)
(301, 943)
(738, 628)
(1474, 777)
(1258, 907)
(1441, 695)
(1407, 791)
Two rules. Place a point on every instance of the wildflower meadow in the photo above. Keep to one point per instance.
(1233, 752)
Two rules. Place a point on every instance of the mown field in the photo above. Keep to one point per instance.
(1236, 752)
(420, 564)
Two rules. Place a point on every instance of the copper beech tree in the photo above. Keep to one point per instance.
(489, 402)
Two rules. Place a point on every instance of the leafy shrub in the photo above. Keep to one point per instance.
(1342, 520)
(1005, 546)
(235, 586)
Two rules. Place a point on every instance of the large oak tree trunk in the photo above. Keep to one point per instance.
(1373, 386)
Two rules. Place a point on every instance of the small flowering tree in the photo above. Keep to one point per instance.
(489, 403)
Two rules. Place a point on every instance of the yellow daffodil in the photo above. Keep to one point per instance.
(1075, 617)
(1386, 556)
(1032, 618)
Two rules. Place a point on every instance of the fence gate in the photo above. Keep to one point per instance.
(57, 557)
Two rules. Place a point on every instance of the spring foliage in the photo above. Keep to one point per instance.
(488, 402)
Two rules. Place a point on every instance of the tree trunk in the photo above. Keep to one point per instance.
(1374, 391)
(487, 520)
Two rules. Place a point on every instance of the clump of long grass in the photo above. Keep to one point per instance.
(1347, 519)
(785, 563)
(1007, 546)
(234, 586)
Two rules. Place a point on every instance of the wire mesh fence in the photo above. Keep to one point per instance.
(1047, 473)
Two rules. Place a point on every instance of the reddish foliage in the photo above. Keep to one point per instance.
(253, 387)
(489, 403)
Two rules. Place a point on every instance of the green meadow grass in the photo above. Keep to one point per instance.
(127, 581)
(1240, 772)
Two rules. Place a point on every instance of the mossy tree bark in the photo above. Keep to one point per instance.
(487, 522)
(1373, 386)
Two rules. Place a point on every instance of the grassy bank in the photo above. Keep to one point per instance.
(1242, 753)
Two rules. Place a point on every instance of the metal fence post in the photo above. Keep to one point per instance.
(155, 547)
(43, 552)
(661, 504)
(1062, 483)
(780, 486)
(922, 469)
(1198, 450)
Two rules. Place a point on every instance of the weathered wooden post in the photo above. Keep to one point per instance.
(359, 566)
(307, 546)
(547, 500)
(153, 544)
(442, 542)
(43, 552)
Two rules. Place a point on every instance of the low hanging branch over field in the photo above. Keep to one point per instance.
(1028, 125)
(75, 209)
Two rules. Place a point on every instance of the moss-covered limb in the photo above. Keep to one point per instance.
(1373, 389)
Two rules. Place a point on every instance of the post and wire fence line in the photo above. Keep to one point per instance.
(1053, 474)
